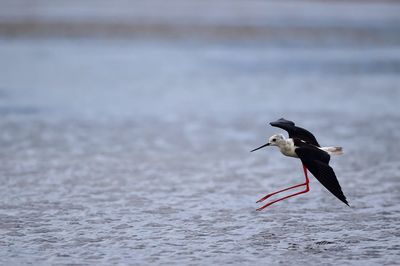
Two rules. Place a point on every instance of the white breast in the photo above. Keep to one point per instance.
(287, 148)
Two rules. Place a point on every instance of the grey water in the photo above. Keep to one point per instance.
(136, 150)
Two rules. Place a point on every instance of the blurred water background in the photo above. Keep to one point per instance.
(126, 128)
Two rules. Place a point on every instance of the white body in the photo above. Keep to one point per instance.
(287, 146)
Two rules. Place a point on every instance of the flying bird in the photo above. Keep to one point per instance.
(303, 145)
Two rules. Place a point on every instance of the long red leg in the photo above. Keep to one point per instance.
(289, 196)
(279, 191)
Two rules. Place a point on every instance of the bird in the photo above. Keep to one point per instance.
(303, 145)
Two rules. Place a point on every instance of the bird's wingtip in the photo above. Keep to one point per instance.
(282, 121)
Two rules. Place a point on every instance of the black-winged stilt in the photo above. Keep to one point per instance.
(303, 145)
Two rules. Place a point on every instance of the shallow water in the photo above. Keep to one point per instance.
(136, 151)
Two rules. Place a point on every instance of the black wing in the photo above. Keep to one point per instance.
(317, 162)
(295, 132)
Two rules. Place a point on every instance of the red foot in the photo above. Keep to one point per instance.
(289, 196)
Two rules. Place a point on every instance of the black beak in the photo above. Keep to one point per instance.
(265, 145)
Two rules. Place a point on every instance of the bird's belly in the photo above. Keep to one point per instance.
(289, 152)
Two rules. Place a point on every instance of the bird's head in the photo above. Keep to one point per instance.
(274, 140)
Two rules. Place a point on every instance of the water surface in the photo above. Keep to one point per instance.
(137, 151)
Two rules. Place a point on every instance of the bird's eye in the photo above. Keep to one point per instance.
(273, 139)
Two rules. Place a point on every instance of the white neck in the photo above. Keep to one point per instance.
(287, 147)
